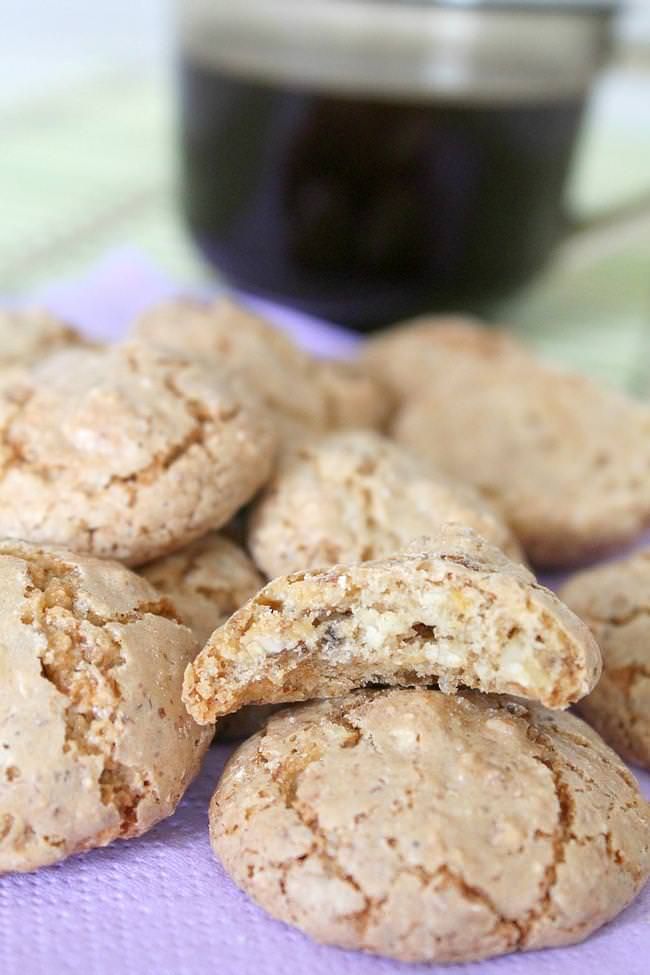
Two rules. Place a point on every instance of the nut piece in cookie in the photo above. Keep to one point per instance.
(457, 611)
(127, 452)
(206, 582)
(355, 496)
(566, 461)
(614, 601)
(299, 390)
(431, 828)
(96, 744)
(27, 335)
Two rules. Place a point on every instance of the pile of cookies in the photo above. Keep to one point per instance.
(329, 559)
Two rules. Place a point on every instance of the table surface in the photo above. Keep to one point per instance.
(162, 903)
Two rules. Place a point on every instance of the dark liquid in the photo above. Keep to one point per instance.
(364, 211)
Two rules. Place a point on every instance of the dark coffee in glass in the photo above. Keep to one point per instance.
(363, 207)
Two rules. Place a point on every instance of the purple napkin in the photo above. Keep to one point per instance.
(162, 905)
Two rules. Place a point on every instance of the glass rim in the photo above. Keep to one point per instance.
(455, 48)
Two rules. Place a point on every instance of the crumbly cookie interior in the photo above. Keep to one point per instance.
(414, 619)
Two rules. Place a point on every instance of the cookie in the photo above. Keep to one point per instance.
(431, 828)
(127, 452)
(206, 582)
(355, 496)
(27, 335)
(566, 462)
(614, 600)
(403, 357)
(300, 390)
(457, 611)
(96, 744)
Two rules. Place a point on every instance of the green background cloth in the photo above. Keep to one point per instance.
(89, 164)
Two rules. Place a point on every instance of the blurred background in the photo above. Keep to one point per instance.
(88, 165)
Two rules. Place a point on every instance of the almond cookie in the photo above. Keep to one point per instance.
(96, 743)
(355, 496)
(126, 452)
(206, 582)
(566, 461)
(300, 390)
(614, 600)
(403, 357)
(431, 828)
(457, 611)
(27, 335)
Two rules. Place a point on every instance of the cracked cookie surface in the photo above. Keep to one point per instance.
(95, 743)
(355, 496)
(302, 392)
(27, 335)
(456, 610)
(431, 828)
(566, 462)
(614, 601)
(126, 453)
(206, 581)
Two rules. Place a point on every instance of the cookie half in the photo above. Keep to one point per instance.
(431, 828)
(96, 744)
(129, 452)
(566, 461)
(457, 611)
(299, 390)
(355, 496)
(614, 600)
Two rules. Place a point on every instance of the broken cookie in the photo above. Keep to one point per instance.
(456, 611)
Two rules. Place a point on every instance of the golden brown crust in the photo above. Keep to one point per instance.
(127, 453)
(364, 822)
(456, 610)
(96, 742)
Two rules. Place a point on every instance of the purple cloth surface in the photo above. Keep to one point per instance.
(161, 904)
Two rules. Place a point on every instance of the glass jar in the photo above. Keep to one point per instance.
(366, 160)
